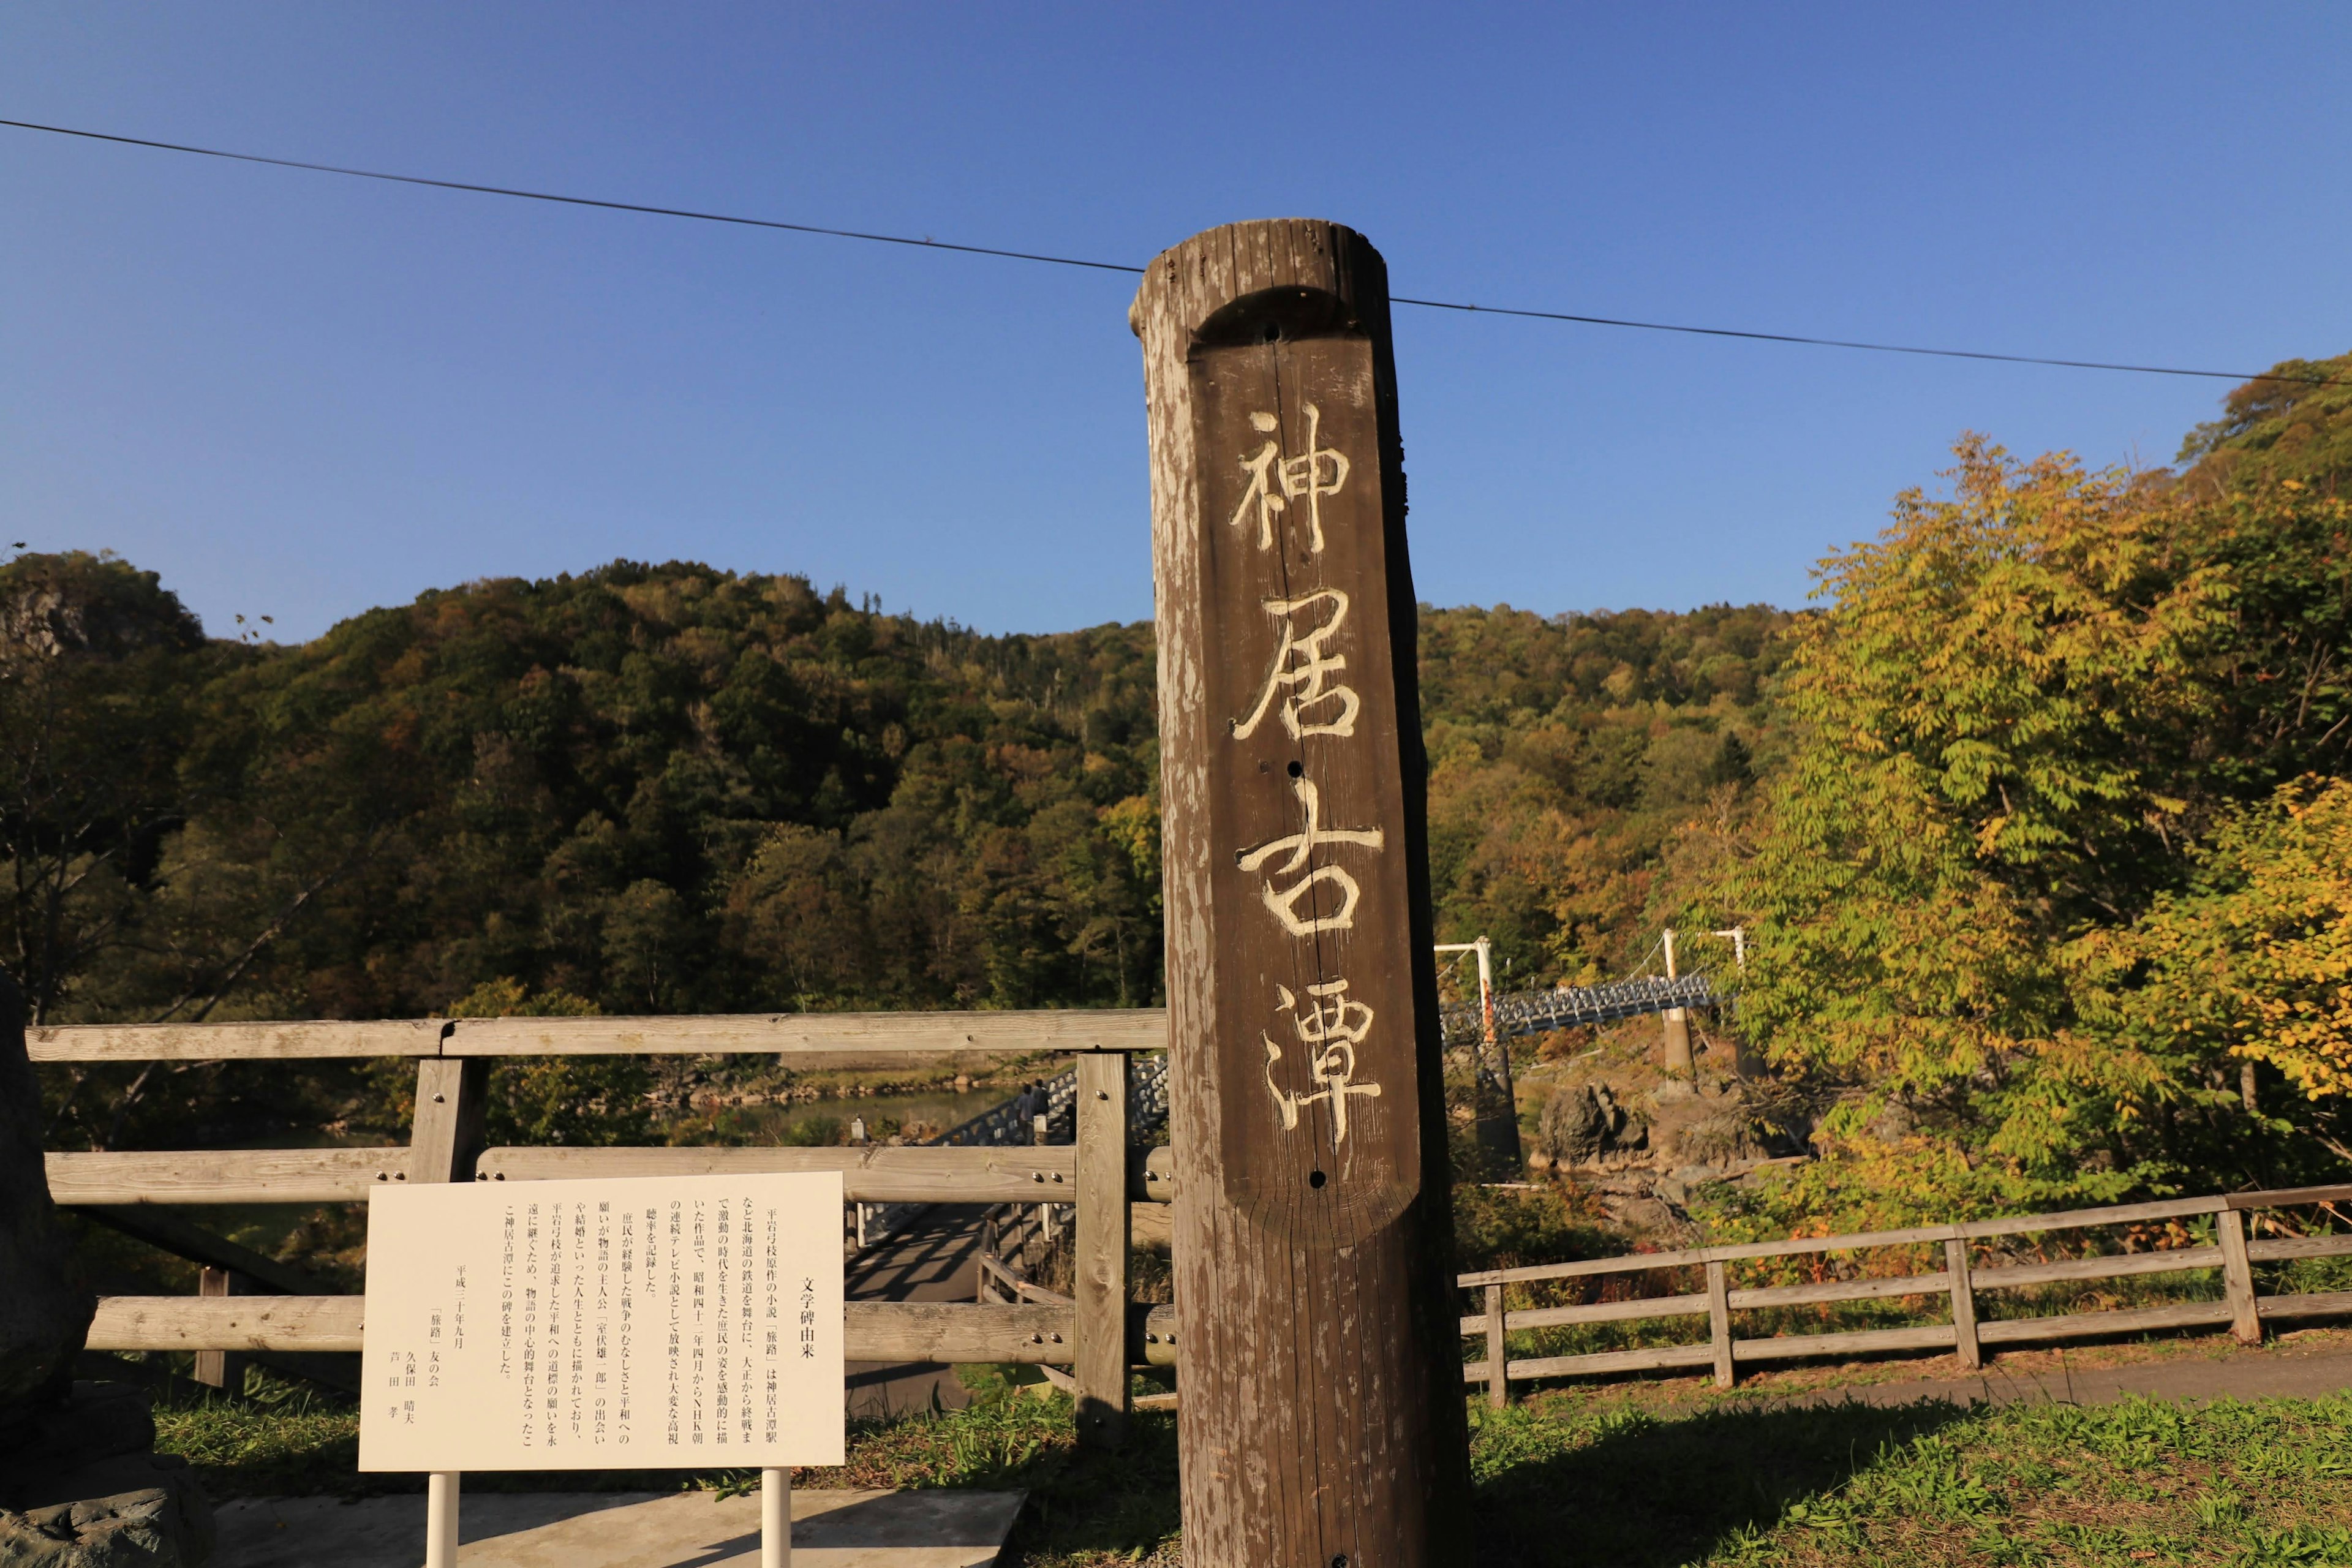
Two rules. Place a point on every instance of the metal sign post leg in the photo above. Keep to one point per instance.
(775, 1519)
(441, 1519)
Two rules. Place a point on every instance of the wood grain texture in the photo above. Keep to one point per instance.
(224, 1175)
(871, 1330)
(226, 1042)
(2091, 1325)
(1841, 1290)
(2238, 1276)
(2273, 1249)
(1718, 1325)
(1865, 1342)
(874, 1173)
(1956, 1268)
(2120, 1266)
(227, 1322)
(452, 1099)
(2308, 1304)
(1321, 1415)
(1101, 1248)
(1056, 1029)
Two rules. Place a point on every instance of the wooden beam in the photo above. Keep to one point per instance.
(957, 1332)
(1101, 1242)
(1866, 1341)
(1718, 1324)
(2113, 1266)
(227, 1322)
(2238, 1276)
(872, 1330)
(769, 1033)
(2093, 1325)
(873, 1173)
(1964, 1304)
(224, 1175)
(224, 1042)
(452, 1101)
(1841, 1290)
(1321, 1422)
(2274, 1249)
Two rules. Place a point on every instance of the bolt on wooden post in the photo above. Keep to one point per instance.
(1322, 1418)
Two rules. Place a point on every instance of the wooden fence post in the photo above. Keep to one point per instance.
(1964, 1304)
(1102, 1239)
(452, 1094)
(1322, 1423)
(1718, 1324)
(1498, 1383)
(220, 1369)
(2237, 1278)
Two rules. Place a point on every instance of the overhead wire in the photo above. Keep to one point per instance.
(927, 243)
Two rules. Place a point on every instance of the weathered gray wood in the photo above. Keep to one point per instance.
(2080, 1219)
(873, 1173)
(452, 1098)
(1044, 1029)
(2287, 1197)
(1718, 1324)
(1600, 1362)
(1152, 1176)
(225, 1042)
(2308, 1304)
(957, 1332)
(1101, 1244)
(1841, 1290)
(224, 1175)
(1320, 1419)
(2237, 1278)
(227, 1322)
(1609, 1311)
(2091, 1325)
(1160, 1336)
(871, 1330)
(1964, 1304)
(219, 1368)
(2273, 1250)
(1498, 1383)
(795, 1034)
(2113, 1266)
(1865, 1342)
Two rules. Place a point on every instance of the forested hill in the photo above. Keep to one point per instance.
(673, 789)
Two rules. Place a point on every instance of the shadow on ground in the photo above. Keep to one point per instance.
(1632, 1492)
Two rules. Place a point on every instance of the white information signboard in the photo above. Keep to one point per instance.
(686, 1321)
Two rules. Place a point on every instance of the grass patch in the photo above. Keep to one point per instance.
(1566, 1480)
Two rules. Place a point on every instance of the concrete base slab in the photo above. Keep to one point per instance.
(621, 1530)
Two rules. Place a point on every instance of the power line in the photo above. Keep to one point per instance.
(928, 243)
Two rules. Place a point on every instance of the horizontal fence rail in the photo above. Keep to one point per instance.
(871, 1330)
(789, 1033)
(1959, 1283)
(772, 1034)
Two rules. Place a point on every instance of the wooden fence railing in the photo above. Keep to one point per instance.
(1097, 1177)
(1960, 1281)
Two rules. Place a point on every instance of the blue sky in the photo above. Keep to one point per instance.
(301, 395)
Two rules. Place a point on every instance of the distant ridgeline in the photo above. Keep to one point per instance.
(673, 789)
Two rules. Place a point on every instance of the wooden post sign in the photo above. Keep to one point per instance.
(648, 1323)
(1320, 1424)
